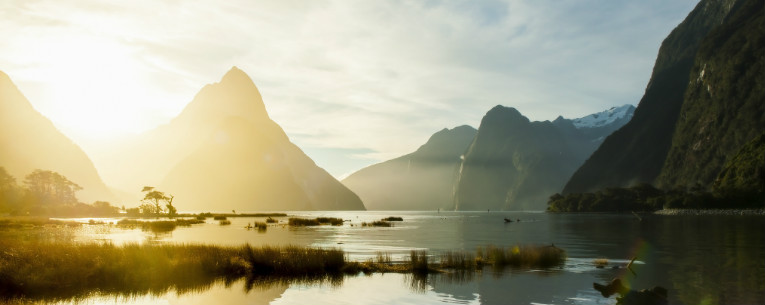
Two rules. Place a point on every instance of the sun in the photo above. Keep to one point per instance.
(92, 87)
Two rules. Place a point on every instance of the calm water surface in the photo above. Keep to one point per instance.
(699, 259)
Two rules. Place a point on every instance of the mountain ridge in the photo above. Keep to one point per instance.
(30, 141)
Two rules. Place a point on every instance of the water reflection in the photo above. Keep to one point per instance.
(217, 293)
(699, 259)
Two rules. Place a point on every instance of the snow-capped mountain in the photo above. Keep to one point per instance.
(604, 118)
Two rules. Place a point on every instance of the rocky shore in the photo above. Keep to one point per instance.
(732, 212)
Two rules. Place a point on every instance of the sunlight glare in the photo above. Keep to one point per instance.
(95, 85)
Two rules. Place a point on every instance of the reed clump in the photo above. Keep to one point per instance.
(393, 218)
(302, 222)
(377, 223)
(159, 225)
(459, 260)
(418, 259)
(330, 220)
(261, 226)
(524, 256)
(271, 220)
(224, 222)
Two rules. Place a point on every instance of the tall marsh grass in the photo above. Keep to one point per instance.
(393, 218)
(159, 225)
(301, 222)
(377, 223)
(51, 270)
(523, 256)
(55, 270)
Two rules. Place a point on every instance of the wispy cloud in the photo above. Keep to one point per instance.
(370, 79)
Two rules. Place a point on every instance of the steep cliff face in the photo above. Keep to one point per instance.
(422, 180)
(515, 164)
(637, 151)
(724, 104)
(224, 152)
(29, 141)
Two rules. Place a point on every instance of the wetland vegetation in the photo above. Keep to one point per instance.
(44, 269)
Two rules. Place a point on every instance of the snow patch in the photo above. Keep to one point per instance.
(605, 117)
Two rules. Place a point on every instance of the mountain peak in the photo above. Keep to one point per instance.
(504, 115)
(236, 75)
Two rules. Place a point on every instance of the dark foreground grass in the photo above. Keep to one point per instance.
(52, 270)
(56, 270)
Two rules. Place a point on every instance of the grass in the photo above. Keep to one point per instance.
(330, 220)
(60, 270)
(418, 260)
(188, 222)
(377, 223)
(271, 220)
(18, 222)
(524, 256)
(224, 222)
(393, 218)
(159, 225)
(460, 260)
(208, 214)
(55, 270)
(261, 226)
(301, 222)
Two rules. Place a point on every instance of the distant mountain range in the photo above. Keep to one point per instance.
(699, 125)
(422, 180)
(516, 164)
(702, 117)
(508, 163)
(29, 141)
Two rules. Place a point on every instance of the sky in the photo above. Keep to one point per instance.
(351, 82)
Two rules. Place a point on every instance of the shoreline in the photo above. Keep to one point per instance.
(717, 212)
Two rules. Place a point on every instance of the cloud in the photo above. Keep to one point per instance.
(377, 77)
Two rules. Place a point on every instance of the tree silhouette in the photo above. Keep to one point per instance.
(51, 188)
(155, 198)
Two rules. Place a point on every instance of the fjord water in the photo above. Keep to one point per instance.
(699, 259)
